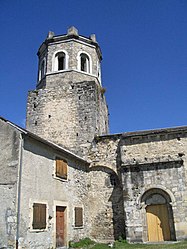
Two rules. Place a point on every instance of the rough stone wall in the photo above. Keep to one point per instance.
(106, 200)
(70, 114)
(141, 163)
(9, 160)
(157, 161)
(39, 184)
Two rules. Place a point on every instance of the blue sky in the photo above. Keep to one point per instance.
(144, 46)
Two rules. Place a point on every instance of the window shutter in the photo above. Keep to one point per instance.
(64, 169)
(39, 216)
(78, 217)
(58, 167)
(61, 168)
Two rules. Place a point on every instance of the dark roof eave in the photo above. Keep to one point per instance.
(178, 129)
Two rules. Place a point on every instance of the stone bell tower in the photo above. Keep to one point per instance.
(68, 106)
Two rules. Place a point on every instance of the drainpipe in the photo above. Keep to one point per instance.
(19, 188)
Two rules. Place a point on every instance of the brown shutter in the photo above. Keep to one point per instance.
(39, 216)
(61, 168)
(64, 169)
(78, 217)
(58, 167)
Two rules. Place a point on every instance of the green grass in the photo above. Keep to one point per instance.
(89, 244)
(125, 245)
(83, 243)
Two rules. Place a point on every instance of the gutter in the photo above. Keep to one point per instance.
(19, 189)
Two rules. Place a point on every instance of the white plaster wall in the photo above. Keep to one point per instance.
(40, 185)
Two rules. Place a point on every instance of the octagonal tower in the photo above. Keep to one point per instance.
(68, 106)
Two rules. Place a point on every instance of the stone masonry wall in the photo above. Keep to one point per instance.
(106, 195)
(69, 115)
(142, 163)
(9, 161)
(154, 161)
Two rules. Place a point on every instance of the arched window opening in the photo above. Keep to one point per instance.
(84, 63)
(42, 69)
(61, 61)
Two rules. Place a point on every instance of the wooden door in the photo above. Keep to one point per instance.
(60, 226)
(158, 223)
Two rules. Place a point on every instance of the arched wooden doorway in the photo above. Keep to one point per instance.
(158, 223)
(159, 218)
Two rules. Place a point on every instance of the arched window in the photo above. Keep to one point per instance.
(60, 57)
(42, 69)
(84, 63)
(60, 61)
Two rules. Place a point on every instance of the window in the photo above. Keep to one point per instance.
(61, 168)
(78, 216)
(42, 69)
(84, 63)
(39, 216)
(60, 61)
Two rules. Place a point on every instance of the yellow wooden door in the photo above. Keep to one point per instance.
(158, 223)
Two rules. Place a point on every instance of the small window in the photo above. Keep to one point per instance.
(43, 69)
(78, 216)
(84, 63)
(39, 216)
(61, 168)
(60, 61)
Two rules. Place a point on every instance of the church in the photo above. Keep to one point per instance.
(65, 177)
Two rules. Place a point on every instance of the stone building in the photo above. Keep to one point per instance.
(65, 177)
